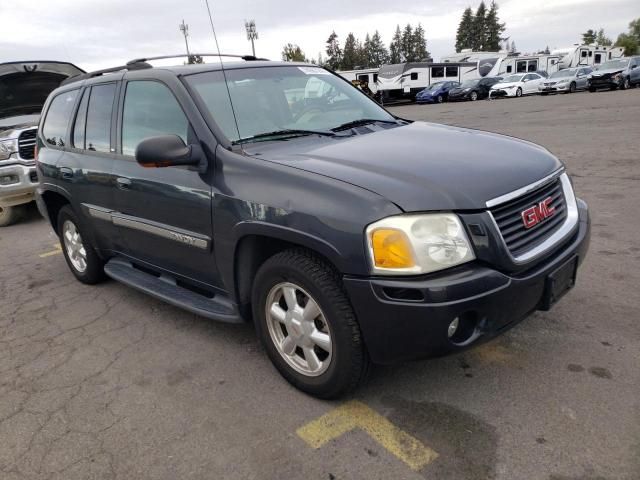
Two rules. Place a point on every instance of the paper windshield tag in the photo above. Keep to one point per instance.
(314, 71)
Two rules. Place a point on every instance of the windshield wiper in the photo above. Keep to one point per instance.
(360, 122)
(287, 132)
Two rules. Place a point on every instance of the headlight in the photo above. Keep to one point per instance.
(417, 244)
(7, 147)
(466, 89)
(510, 86)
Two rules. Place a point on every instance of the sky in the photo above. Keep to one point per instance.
(97, 34)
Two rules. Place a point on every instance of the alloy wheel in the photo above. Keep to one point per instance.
(74, 247)
(298, 329)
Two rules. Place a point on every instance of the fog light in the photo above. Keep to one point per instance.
(453, 327)
(8, 179)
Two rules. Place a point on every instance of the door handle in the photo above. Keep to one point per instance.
(66, 173)
(123, 183)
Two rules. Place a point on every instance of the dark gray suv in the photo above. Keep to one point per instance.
(278, 193)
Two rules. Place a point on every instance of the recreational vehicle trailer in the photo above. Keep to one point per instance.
(369, 75)
(404, 80)
(586, 55)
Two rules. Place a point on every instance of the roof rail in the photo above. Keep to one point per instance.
(97, 73)
(248, 58)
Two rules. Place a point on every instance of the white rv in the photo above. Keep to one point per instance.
(586, 55)
(404, 80)
(369, 75)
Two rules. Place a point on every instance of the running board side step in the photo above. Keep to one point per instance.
(165, 288)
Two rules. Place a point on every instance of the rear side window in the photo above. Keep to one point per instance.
(150, 109)
(98, 129)
(54, 129)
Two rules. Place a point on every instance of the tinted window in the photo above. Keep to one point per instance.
(98, 131)
(437, 72)
(375, 78)
(598, 58)
(533, 66)
(509, 69)
(150, 109)
(363, 78)
(77, 140)
(55, 125)
(414, 76)
(452, 71)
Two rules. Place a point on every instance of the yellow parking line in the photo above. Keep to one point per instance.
(58, 249)
(355, 414)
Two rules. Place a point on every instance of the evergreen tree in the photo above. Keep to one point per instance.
(350, 53)
(512, 48)
(589, 37)
(395, 47)
(419, 44)
(602, 39)
(479, 30)
(547, 51)
(464, 35)
(334, 53)
(378, 54)
(406, 45)
(366, 54)
(493, 29)
(293, 53)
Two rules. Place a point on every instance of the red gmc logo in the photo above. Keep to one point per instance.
(532, 216)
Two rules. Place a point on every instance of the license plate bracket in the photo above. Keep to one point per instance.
(559, 282)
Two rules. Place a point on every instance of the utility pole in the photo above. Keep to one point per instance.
(252, 33)
(184, 28)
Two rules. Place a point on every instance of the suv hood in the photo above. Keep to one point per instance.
(420, 166)
(24, 86)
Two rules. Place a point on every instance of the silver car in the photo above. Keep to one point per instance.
(568, 81)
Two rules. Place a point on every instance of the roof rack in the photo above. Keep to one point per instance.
(248, 58)
(97, 73)
(141, 64)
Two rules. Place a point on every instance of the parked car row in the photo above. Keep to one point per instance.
(620, 73)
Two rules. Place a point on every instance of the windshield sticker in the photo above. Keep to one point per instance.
(314, 71)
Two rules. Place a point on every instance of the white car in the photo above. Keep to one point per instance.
(517, 85)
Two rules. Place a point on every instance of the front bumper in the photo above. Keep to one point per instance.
(554, 89)
(503, 93)
(396, 330)
(22, 187)
(604, 83)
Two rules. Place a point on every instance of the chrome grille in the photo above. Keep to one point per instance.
(26, 144)
(508, 218)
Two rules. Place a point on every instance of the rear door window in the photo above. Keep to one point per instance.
(77, 140)
(150, 109)
(55, 126)
(98, 129)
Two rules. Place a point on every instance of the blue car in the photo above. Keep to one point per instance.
(436, 92)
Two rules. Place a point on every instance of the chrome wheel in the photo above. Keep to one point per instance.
(73, 245)
(298, 329)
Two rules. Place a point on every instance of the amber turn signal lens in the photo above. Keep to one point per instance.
(391, 249)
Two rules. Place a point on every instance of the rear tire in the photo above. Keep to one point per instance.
(284, 285)
(592, 89)
(10, 215)
(83, 261)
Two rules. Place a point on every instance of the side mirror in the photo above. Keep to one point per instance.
(168, 151)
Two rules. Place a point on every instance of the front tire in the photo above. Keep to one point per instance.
(439, 99)
(592, 89)
(10, 215)
(519, 92)
(307, 326)
(473, 96)
(626, 84)
(572, 88)
(83, 261)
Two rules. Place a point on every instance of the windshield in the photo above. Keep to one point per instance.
(512, 78)
(434, 86)
(614, 64)
(272, 99)
(469, 83)
(563, 73)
